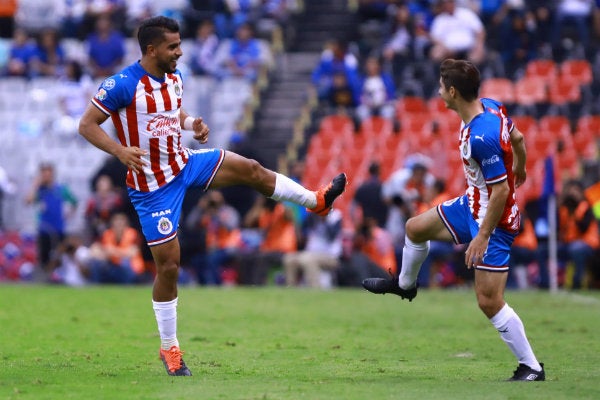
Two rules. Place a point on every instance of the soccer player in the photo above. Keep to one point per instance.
(486, 217)
(144, 103)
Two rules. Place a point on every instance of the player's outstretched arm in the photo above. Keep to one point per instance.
(90, 129)
(517, 141)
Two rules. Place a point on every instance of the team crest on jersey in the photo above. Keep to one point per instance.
(165, 226)
(465, 149)
(108, 83)
(177, 89)
(101, 95)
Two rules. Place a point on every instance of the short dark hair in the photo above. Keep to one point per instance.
(463, 75)
(151, 31)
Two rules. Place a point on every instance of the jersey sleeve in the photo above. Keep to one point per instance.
(486, 150)
(114, 93)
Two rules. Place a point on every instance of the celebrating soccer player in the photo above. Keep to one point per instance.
(144, 103)
(486, 217)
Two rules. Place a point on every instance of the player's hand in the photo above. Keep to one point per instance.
(132, 158)
(520, 176)
(201, 130)
(475, 251)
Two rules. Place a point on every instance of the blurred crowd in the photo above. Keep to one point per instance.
(223, 34)
(234, 237)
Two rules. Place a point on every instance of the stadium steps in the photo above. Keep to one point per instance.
(281, 106)
(289, 87)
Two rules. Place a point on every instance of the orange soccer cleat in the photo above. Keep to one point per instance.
(327, 195)
(173, 362)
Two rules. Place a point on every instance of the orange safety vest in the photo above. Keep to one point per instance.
(129, 238)
(569, 232)
(280, 232)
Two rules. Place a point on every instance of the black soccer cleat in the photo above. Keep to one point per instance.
(383, 286)
(526, 373)
(327, 195)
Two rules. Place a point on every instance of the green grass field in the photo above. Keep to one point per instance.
(278, 343)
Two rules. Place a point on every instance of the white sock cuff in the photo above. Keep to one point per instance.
(501, 318)
(277, 192)
(164, 305)
(287, 189)
(416, 246)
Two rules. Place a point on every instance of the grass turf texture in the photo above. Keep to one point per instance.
(277, 343)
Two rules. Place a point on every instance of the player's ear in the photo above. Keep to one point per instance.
(150, 50)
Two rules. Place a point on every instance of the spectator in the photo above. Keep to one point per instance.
(244, 58)
(106, 48)
(205, 47)
(36, 16)
(457, 32)
(355, 266)
(540, 15)
(376, 244)
(116, 257)
(72, 21)
(399, 46)
(49, 57)
(517, 42)
(583, 16)
(342, 96)
(221, 223)
(578, 230)
(411, 183)
(22, 51)
(279, 237)
(377, 92)
(321, 256)
(71, 262)
(50, 198)
(105, 201)
(231, 14)
(73, 94)
(337, 68)
(368, 202)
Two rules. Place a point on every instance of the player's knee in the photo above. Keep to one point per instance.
(168, 270)
(255, 171)
(489, 305)
(413, 231)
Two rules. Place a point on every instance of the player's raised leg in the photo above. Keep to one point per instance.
(419, 230)
(238, 170)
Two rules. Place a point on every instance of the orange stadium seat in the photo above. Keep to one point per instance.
(526, 124)
(589, 123)
(564, 90)
(530, 91)
(501, 89)
(338, 124)
(542, 68)
(554, 126)
(416, 123)
(584, 143)
(577, 70)
(376, 127)
(409, 105)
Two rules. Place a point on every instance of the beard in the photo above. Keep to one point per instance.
(168, 67)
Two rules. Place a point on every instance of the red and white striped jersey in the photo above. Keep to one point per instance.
(487, 156)
(146, 111)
